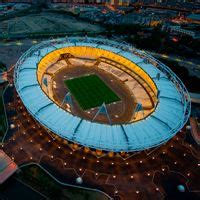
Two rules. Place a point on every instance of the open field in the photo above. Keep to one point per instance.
(90, 91)
(46, 23)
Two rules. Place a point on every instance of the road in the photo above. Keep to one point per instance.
(193, 65)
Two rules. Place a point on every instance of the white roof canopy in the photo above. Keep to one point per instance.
(167, 119)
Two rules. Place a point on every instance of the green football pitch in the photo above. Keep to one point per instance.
(90, 91)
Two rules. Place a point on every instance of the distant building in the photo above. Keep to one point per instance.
(7, 167)
(194, 18)
(191, 30)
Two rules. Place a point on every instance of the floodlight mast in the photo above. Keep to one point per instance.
(103, 110)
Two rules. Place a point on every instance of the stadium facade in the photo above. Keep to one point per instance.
(171, 101)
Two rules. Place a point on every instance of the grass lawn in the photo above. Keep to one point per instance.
(90, 91)
(34, 176)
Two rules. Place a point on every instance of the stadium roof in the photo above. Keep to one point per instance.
(170, 115)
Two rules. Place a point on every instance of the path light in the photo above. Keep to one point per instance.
(110, 154)
(12, 126)
(188, 128)
(181, 188)
(79, 180)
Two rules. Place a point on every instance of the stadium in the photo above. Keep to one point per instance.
(101, 94)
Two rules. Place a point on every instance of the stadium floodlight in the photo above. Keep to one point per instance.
(138, 108)
(45, 82)
(103, 110)
(67, 99)
(158, 94)
(158, 76)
